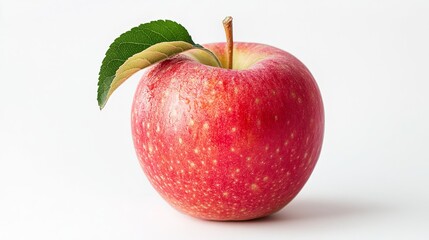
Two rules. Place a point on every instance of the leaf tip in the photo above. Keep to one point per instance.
(101, 106)
(101, 99)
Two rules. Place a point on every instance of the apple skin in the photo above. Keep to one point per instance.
(228, 145)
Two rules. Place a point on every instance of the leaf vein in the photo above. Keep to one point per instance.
(157, 33)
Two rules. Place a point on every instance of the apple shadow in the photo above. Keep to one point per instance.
(303, 210)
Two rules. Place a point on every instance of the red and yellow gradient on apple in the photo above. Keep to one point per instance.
(229, 144)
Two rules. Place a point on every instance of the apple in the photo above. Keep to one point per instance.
(228, 144)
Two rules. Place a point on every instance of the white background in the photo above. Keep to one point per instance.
(69, 171)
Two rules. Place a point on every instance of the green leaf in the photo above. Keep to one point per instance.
(143, 46)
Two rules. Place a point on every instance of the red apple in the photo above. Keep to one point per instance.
(229, 144)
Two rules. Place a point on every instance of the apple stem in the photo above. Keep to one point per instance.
(227, 25)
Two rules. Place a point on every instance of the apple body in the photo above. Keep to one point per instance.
(228, 144)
